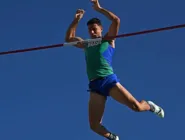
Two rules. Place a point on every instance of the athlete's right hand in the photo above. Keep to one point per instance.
(79, 14)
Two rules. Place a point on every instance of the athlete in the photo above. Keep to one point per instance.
(103, 82)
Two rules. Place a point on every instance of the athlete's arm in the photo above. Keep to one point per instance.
(70, 34)
(114, 27)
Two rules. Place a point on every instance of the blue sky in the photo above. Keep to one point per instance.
(43, 93)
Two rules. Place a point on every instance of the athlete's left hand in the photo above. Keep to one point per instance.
(96, 5)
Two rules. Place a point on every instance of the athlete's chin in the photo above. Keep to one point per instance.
(95, 36)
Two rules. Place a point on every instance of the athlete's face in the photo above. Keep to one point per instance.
(95, 30)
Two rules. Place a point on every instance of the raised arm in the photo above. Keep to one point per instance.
(114, 27)
(71, 31)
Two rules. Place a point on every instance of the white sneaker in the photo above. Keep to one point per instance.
(117, 138)
(156, 109)
(113, 137)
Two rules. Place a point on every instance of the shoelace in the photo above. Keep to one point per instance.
(159, 111)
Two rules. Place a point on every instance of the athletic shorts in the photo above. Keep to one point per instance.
(103, 85)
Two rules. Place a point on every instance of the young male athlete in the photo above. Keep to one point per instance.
(103, 82)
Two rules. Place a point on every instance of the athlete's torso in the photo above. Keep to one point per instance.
(99, 59)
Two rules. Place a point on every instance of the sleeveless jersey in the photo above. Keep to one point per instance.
(98, 58)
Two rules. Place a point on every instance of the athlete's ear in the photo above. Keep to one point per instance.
(101, 28)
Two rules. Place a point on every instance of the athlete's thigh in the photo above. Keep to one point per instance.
(122, 95)
(96, 107)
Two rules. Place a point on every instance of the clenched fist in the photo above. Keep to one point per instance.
(79, 14)
(96, 5)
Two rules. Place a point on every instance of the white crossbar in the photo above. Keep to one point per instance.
(85, 41)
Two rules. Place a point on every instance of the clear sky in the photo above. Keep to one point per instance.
(43, 93)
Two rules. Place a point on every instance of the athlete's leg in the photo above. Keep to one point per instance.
(122, 95)
(96, 110)
(119, 93)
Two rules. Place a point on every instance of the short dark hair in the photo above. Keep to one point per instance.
(94, 21)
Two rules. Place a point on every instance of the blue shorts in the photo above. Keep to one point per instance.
(103, 85)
